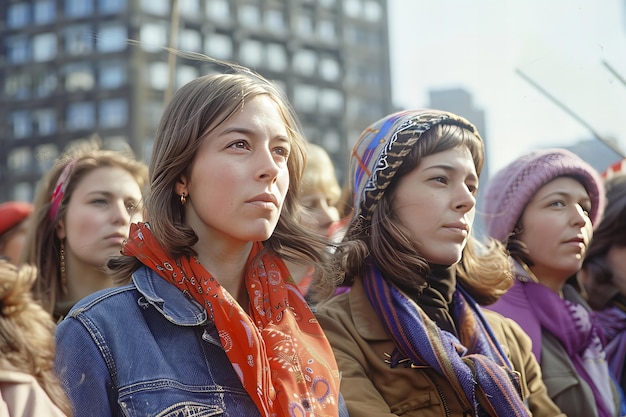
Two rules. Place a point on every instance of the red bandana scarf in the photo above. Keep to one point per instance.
(279, 351)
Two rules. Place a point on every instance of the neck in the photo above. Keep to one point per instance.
(553, 281)
(83, 279)
(227, 264)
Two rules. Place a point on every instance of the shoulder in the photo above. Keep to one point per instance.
(21, 394)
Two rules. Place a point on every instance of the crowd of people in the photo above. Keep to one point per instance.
(234, 276)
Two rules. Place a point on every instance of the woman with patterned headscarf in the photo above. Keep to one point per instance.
(409, 337)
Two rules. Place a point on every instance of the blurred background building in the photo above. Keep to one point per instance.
(68, 70)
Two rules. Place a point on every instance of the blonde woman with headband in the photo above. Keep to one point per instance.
(83, 210)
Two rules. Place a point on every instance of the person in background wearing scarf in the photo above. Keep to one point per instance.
(602, 278)
(409, 337)
(543, 207)
(209, 321)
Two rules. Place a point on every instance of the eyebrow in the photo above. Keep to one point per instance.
(448, 168)
(563, 194)
(250, 132)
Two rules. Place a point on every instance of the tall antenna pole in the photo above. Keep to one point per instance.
(614, 72)
(567, 110)
(171, 57)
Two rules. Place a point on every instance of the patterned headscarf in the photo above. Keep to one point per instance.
(380, 150)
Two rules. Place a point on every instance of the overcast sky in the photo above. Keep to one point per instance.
(478, 45)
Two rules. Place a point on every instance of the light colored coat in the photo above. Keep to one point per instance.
(22, 396)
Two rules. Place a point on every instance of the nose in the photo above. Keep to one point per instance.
(121, 214)
(268, 169)
(466, 200)
(579, 216)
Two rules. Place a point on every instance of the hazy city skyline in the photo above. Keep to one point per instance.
(487, 47)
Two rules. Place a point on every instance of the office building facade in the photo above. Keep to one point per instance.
(72, 69)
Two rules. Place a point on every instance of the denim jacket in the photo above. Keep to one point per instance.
(145, 349)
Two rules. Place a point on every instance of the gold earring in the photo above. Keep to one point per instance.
(62, 268)
(183, 199)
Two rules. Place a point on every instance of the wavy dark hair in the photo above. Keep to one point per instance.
(484, 269)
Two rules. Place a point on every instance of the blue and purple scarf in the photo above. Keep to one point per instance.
(474, 362)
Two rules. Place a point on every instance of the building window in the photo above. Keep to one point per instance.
(305, 24)
(251, 53)
(111, 6)
(78, 40)
(249, 15)
(189, 8)
(113, 113)
(80, 116)
(79, 8)
(305, 98)
(44, 11)
(158, 75)
(352, 8)
(305, 62)
(18, 15)
(44, 83)
(275, 20)
(112, 38)
(79, 76)
(331, 101)
(329, 69)
(44, 47)
(20, 124)
(19, 160)
(276, 57)
(18, 49)
(218, 10)
(190, 40)
(372, 10)
(44, 122)
(327, 30)
(218, 46)
(184, 74)
(46, 155)
(153, 36)
(17, 86)
(160, 8)
(112, 74)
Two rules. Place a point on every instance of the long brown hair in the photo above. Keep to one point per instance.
(484, 269)
(195, 111)
(42, 245)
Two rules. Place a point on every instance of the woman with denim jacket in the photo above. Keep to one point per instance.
(209, 321)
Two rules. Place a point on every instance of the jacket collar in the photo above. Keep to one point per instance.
(167, 299)
(365, 318)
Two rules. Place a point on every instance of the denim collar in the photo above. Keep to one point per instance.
(178, 309)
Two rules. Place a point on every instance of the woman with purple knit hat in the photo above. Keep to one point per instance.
(543, 207)
(409, 336)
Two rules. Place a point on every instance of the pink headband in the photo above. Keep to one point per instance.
(59, 189)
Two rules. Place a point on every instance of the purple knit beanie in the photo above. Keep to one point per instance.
(511, 189)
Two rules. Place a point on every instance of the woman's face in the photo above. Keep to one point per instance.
(319, 212)
(98, 216)
(556, 230)
(239, 178)
(436, 202)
